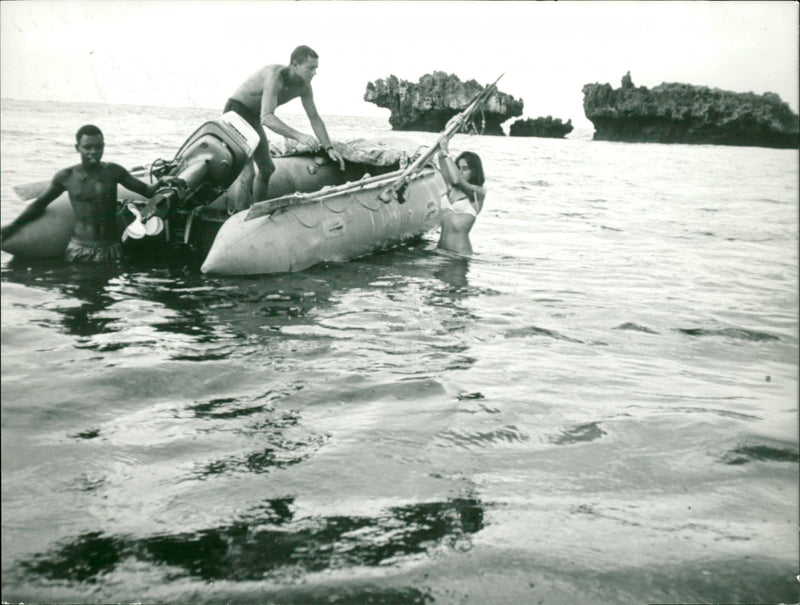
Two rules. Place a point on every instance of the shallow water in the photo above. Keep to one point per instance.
(600, 405)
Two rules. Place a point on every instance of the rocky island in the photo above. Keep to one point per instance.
(541, 127)
(437, 97)
(682, 113)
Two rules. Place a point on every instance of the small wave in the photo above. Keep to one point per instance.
(476, 395)
(736, 333)
(224, 408)
(282, 454)
(525, 187)
(590, 431)
(461, 362)
(286, 444)
(504, 434)
(606, 228)
(201, 357)
(760, 453)
(722, 413)
(635, 327)
(591, 511)
(136, 143)
(108, 347)
(90, 484)
(763, 240)
(535, 331)
(87, 434)
(219, 408)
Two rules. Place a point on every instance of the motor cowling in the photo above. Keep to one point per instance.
(207, 163)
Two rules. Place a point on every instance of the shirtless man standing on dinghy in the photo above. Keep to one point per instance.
(92, 189)
(260, 95)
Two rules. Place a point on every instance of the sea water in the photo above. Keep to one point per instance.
(600, 406)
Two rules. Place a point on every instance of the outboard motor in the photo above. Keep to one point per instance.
(208, 163)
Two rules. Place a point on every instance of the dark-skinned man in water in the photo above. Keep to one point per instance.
(92, 189)
(260, 95)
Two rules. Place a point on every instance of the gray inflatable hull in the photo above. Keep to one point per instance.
(329, 229)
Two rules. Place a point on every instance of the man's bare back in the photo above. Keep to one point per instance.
(270, 83)
(262, 93)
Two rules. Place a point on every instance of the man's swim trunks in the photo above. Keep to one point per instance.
(80, 251)
(261, 153)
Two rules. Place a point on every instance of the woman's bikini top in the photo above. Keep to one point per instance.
(460, 206)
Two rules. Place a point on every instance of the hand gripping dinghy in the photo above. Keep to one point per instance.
(388, 193)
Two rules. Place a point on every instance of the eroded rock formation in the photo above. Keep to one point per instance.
(682, 113)
(437, 97)
(540, 127)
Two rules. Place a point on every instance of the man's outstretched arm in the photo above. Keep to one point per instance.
(130, 182)
(36, 208)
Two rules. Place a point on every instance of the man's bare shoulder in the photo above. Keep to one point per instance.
(271, 71)
(114, 168)
(63, 175)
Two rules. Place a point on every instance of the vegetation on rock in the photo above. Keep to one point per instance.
(540, 127)
(430, 103)
(682, 113)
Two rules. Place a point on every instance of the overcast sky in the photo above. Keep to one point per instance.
(195, 53)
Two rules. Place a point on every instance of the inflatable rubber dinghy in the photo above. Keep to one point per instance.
(300, 172)
(339, 225)
(48, 235)
(347, 219)
(317, 212)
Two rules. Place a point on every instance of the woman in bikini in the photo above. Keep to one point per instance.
(463, 200)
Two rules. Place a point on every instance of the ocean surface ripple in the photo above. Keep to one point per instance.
(600, 406)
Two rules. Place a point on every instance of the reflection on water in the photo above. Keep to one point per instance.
(271, 541)
(580, 433)
(613, 376)
(452, 270)
(168, 309)
(171, 312)
(97, 289)
(773, 451)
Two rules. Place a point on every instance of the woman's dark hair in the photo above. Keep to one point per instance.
(475, 165)
(89, 130)
(301, 54)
